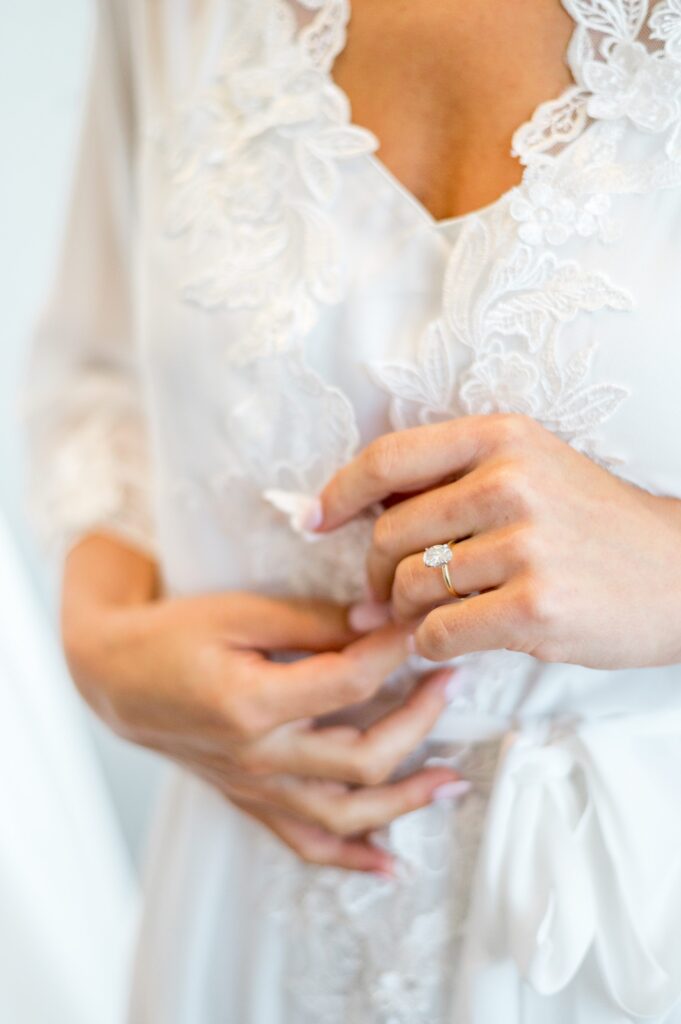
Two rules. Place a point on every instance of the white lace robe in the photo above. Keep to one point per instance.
(246, 296)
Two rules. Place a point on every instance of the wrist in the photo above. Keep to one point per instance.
(106, 583)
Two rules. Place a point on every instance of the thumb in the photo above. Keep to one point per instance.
(291, 624)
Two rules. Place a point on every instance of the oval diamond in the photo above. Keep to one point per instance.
(437, 556)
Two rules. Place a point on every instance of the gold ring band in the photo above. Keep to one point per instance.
(448, 579)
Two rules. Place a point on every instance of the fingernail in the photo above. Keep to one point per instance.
(313, 516)
(451, 791)
(387, 874)
(368, 615)
(411, 643)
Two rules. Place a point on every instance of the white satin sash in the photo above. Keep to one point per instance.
(582, 850)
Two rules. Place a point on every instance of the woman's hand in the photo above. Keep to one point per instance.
(190, 678)
(566, 561)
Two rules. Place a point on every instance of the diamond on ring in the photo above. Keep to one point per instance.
(437, 556)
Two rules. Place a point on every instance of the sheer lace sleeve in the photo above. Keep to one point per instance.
(82, 404)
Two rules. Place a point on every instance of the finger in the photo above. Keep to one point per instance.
(362, 810)
(317, 846)
(502, 618)
(324, 683)
(454, 511)
(478, 563)
(296, 624)
(309, 841)
(409, 460)
(350, 755)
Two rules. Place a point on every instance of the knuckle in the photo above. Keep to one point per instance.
(408, 583)
(380, 458)
(255, 762)
(435, 639)
(308, 850)
(525, 549)
(331, 816)
(511, 428)
(384, 535)
(355, 683)
(550, 652)
(356, 687)
(351, 691)
(244, 719)
(369, 767)
(344, 823)
(536, 602)
(513, 487)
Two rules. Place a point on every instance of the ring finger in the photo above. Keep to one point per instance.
(478, 563)
(456, 510)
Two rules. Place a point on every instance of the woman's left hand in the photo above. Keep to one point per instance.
(565, 561)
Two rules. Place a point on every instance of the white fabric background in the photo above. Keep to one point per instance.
(67, 886)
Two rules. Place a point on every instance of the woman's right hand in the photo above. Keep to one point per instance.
(191, 678)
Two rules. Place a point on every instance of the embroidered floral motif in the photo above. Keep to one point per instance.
(634, 83)
(617, 76)
(547, 213)
(665, 25)
(507, 314)
(562, 197)
(253, 167)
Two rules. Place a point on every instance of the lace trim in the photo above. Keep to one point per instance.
(94, 472)
(508, 313)
(617, 75)
(254, 170)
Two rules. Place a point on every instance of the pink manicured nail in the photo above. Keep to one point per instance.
(451, 791)
(370, 615)
(313, 517)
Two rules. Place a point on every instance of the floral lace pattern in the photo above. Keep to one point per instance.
(385, 946)
(106, 448)
(254, 166)
(508, 315)
(665, 25)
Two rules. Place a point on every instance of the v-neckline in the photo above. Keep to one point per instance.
(340, 13)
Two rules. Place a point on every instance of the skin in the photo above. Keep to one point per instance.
(445, 84)
(191, 678)
(566, 561)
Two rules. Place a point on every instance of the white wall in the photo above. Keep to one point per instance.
(44, 48)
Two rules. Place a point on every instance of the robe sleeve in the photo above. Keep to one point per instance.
(82, 402)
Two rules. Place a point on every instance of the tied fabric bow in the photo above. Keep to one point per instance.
(583, 850)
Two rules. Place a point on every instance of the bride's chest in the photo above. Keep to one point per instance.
(444, 86)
